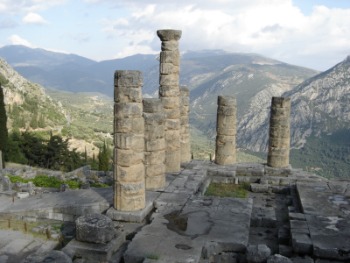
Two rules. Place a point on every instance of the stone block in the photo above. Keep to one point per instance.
(95, 228)
(92, 253)
(259, 188)
(128, 110)
(170, 57)
(130, 174)
(172, 113)
(168, 68)
(301, 243)
(152, 105)
(127, 94)
(278, 259)
(169, 80)
(258, 253)
(128, 78)
(156, 182)
(52, 256)
(171, 103)
(128, 158)
(171, 45)
(128, 141)
(155, 157)
(128, 125)
(172, 124)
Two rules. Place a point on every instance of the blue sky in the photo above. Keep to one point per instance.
(310, 33)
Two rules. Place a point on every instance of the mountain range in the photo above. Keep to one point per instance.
(320, 113)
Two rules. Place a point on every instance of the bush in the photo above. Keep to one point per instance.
(17, 179)
(47, 181)
(73, 184)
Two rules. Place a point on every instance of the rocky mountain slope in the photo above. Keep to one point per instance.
(27, 103)
(320, 121)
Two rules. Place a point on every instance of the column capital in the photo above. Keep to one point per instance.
(169, 34)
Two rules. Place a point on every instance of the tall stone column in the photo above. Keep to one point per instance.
(225, 152)
(129, 168)
(185, 125)
(154, 143)
(279, 133)
(169, 93)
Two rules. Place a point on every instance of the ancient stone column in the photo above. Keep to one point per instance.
(169, 93)
(279, 133)
(185, 140)
(225, 152)
(129, 168)
(154, 143)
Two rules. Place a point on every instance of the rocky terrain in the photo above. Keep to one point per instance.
(320, 120)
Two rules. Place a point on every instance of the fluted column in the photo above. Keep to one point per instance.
(129, 168)
(185, 125)
(154, 143)
(279, 133)
(169, 93)
(225, 152)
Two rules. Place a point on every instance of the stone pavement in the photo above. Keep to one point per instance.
(15, 245)
(296, 214)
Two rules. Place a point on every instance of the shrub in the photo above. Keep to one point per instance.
(47, 181)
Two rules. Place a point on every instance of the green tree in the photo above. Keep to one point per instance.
(3, 126)
(14, 152)
(103, 158)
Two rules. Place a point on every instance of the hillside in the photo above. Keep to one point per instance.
(31, 107)
(320, 123)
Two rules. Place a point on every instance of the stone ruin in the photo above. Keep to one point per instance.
(159, 209)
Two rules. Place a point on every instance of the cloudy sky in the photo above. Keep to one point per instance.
(310, 33)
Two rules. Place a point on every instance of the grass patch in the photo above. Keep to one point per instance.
(228, 190)
(152, 256)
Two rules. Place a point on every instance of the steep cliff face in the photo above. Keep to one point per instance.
(320, 107)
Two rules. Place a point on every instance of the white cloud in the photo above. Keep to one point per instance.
(34, 18)
(17, 40)
(278, 29)
(16, 6)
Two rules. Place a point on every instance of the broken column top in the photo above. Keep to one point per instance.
(128, 78)
(280, 102)
(169, 34)
(226, 100)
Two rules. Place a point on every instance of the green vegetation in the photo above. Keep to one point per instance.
(46, 181)
(327, 155)
(228, 190)
(104, 157)
(3, 127)
(152, 256)
(28, 148)
(99, 185)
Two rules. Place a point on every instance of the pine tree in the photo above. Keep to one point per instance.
(103, 158)
(3, 127)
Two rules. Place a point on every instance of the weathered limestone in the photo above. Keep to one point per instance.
(225, 152)
(169, 93)
(129, 168)
(95, 228)
(279, 133)
(185, 125)
(154, 143)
